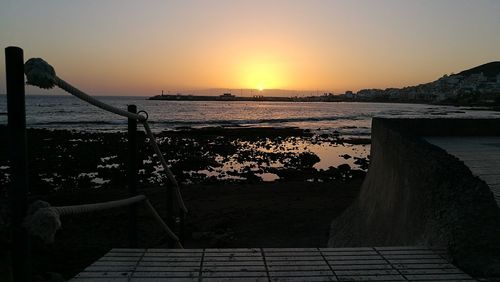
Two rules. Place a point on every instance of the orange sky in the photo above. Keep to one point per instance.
(140, 48)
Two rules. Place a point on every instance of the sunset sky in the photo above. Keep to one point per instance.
(141, 47)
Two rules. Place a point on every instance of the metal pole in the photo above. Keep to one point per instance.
(132, 176)
(18, 188)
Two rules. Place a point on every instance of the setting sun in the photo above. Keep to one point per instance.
(261, 75)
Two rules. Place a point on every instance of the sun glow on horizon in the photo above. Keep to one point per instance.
(261, 74)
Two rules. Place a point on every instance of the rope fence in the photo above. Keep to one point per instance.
(43, 220)
(40, 73)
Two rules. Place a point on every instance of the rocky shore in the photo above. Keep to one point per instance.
(244, 187)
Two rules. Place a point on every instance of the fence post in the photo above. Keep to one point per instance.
(18, 188)
(170, 213)
(132, 176)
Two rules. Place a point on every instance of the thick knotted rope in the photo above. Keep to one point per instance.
(43, 221)
(40, 73)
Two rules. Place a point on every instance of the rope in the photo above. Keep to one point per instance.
(40, 73)
(72, 210)
(44, 220)
(170, 175)
(164, 225)
(91, 100)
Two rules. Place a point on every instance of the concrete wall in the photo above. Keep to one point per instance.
(417, 194)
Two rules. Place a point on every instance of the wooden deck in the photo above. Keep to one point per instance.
(480, 153)
(305, 264)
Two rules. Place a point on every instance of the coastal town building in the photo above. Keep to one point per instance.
(462, 88)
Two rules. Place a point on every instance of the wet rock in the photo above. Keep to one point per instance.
(363, 163)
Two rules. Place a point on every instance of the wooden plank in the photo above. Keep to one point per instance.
(167, 268)
(437, 277)
(169, 263)
(361, 267)
(308, 258)
(400, 266)
(346, 249)
(160, 279)
(240, 268)
(355, 262)
(406, 252)
(296, 254)
(166, 274)
(400, 248)
(372, 278)
(104, 274)
(172, 255)
(98, 279)
(347, 253)
(236, 279)
(412, 256)
(160, 259)
(298, 267)
(153, 250)
(295, 262)
(235, 274)
(418, 261)
(299, 264)
(370, 257)
(110, 268)
(365, 272)
(431, 271)
(234, 263)
(234, 258)
(266, 250)
(301, 273)
(303, 279)
(218, 254)
(112, 263)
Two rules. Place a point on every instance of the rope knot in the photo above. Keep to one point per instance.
(42, 221)
(39, 73)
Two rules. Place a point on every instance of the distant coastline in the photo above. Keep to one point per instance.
(230, 97)
(491, 104)
(478, 86)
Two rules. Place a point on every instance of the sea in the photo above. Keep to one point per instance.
(347, 118)
(344, 119)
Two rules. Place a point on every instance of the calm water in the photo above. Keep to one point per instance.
(67, 112)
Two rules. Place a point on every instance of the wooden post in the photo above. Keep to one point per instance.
(18, 188)
(170, 213)
(182, 217)
(132, 176)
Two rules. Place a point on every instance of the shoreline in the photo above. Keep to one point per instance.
(63, 159)
(241, 210)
